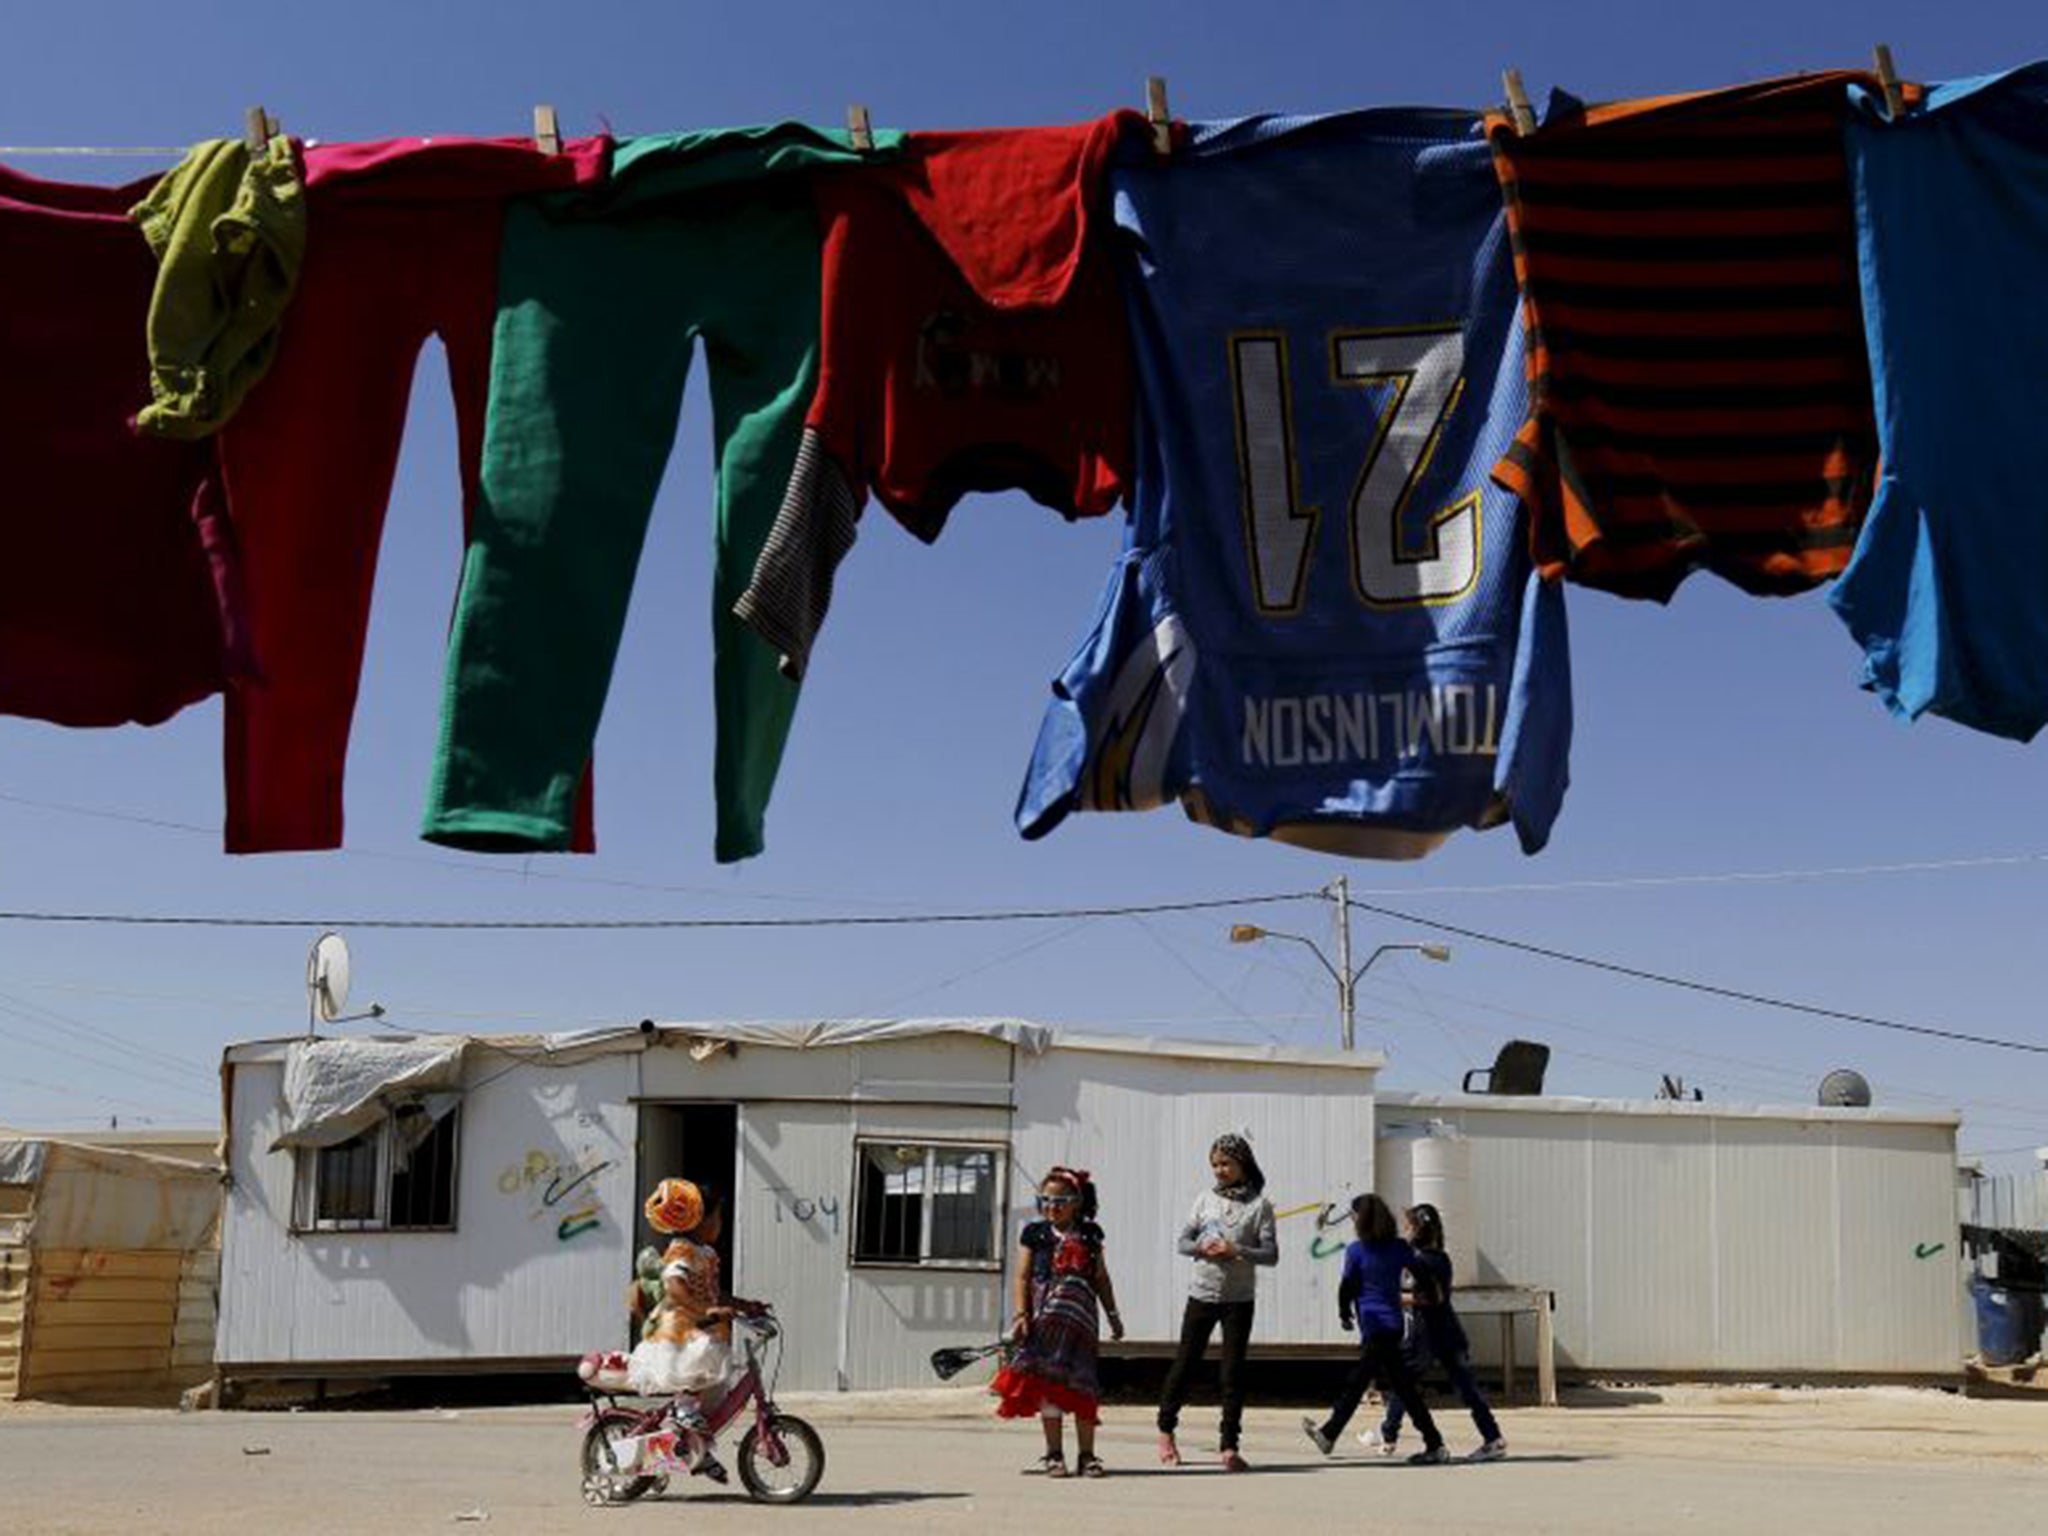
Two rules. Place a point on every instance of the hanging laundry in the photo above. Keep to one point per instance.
(115, 566)
(1689, 281)
(404, 246)
(1324, 628)
(701, 236)
(1947, 592)
(973, 340)
(228, 227)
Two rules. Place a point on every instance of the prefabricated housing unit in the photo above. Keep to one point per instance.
(473, 1203)
(1715, 1240)
(476, 1204)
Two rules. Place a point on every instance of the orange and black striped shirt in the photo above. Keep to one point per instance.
(1700, 389)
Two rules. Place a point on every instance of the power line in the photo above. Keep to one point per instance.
(53, 1021)
(1735, 994)
(521, 871)
(665, 924)
(1778, 1069)
(1508, 888)
(1730, 877)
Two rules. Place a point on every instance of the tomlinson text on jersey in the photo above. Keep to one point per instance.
(1461, 719)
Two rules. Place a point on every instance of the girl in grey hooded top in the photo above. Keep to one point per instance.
(1228, 1234)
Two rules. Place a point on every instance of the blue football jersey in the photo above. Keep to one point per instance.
(1945, 590)
(1324, 626)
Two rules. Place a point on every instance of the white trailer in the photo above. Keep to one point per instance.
(430, 1204)
(1694, 1240)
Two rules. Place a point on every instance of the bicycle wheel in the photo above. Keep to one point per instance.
(603, 1483)
(789, 1476)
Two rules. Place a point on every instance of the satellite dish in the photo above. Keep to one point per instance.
(327, 976)
(1844, 1089)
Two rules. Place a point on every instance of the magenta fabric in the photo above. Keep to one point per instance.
(110, 599)
(402, 244)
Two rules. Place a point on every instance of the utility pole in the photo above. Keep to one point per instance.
(1339, 891)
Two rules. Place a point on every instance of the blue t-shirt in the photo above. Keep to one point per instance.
(1945, 590)
(1371, 1284)
(1324, 627)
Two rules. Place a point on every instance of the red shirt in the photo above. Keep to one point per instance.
(973, 339)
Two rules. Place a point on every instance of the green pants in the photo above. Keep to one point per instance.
(601, 302)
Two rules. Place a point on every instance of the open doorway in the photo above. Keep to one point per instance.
(698, 1142)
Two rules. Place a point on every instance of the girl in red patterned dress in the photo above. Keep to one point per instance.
(1061, 1278)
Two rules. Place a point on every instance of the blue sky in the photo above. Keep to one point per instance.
(1720, 735)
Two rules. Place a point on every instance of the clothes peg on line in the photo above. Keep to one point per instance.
(1888, 77)
(547, 130)
(1157, 115)
(258, 127)
(1518, 101)
(859, 129)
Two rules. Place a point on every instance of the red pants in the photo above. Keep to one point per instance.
(109, 610)
(403, 244)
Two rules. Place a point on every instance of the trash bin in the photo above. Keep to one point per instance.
(1999, 1339)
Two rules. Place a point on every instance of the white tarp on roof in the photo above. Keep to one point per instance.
(21, 1162)
(105, 1198)
(823, 1034)
(561, 1048)
(334, 1089)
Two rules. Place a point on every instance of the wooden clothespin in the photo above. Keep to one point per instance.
(1888, 77)
(1518, 101)
(859, 128)
(258, 128)
(547, 130)
(1157, 115)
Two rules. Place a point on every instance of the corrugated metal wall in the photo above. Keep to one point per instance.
(17, 1207)
(1143, 1123)
(198, 1315)
(1687, 1239)
(513, 1281)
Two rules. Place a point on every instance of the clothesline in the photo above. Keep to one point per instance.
(546, 130)
(135, 151)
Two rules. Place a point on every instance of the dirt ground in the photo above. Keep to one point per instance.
(1688, 1459)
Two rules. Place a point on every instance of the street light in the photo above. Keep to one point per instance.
(1341, 972)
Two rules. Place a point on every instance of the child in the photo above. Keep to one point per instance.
(643, 1296)
(687, 1354)
(1229, 1231)
(1442, 1338)
(1371, 1286)
(1060, 1275)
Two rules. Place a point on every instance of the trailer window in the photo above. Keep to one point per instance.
(927, 1203)
(397, 1176)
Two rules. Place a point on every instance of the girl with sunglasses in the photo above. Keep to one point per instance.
(1061, 1279)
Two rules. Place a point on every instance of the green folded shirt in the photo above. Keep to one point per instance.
(228, 228)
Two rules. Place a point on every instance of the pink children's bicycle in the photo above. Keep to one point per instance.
(630, 1451)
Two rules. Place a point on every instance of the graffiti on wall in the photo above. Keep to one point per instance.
(560, 1189)
(1331, 1231)
(791, 1206)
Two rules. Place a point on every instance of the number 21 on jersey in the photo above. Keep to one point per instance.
(1401, 557)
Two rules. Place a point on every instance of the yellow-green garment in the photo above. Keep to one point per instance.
(228, 226)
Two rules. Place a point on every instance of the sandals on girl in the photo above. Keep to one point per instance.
(1051, 1464)
(1169, 1453)
(1090, 1465)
